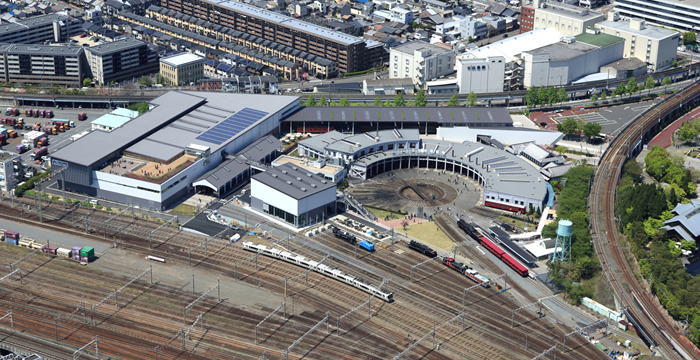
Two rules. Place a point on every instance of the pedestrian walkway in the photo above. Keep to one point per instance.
(663, 138)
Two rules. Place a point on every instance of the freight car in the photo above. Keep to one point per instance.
(423, 249)
(352, 239)
(496, 250)
(505, 206)
(319, 268)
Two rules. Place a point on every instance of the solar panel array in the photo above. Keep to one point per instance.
(233, 125)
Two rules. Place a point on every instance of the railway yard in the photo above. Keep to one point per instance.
(145, 318)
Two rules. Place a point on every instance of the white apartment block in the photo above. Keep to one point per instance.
(463, 27)
(7, 171)
(651, 44)
(121, 59)
(420, 61)
(567, 19)
(402, 15)
(676, 14)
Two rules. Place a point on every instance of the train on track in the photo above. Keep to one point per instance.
(466, 271)
(82, 254)
(423, 249)
(319, 268)
(476, 234)
(505, 206)
(352, 239)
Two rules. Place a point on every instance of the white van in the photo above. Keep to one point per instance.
(94, 202)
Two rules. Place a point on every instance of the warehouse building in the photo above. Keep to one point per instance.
(349, 52)
(152, 160)
(293, 195)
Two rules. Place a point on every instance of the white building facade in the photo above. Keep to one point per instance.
(567, 19)
(421, 62)
(480, 75)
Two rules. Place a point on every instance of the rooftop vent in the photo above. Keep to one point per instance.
(274, 175)
(313, 185)
(323, 181)
(289, 182)
(298, 178)
(309, 175)
(284, 171)
(303, 189)
(294, 167)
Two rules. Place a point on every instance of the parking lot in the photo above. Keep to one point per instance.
(55, 141)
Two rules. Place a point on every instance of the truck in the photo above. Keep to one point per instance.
(49, 130)
(50, 123)
(21, 149)
(19, 124)
(12, 111)
(11, 134)
(41, 113)
(35, 112)
(28, 112)
(36, 128)
(38, 153)
(44, 141)
(82, 116)
(48, 114)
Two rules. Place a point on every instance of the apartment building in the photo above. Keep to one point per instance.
(463, 27)
(675, 14)
(527, 18)
(349, 52)
(39, 29)
(120, 60)
(420, 61)
(8, 178)
(182, 69)
(569, 20)
(39, 64)
(651, 44)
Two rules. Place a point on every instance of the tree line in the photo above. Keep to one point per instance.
(571, 126)
(399, 100)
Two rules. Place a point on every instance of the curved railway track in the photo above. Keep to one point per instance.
(605, 233)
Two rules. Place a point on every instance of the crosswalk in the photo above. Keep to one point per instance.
(594, 118)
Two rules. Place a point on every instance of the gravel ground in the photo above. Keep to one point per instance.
(56, 238)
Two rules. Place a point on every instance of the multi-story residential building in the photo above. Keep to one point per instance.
(36, 64)
(122, 59)
(39, 29)
(651, 44)
(8, 179)
(349, 52)
(401, 14)
(182, 69)
(527, 18)
(421, 62)
(676, 14)
(284, 59)
(463, 27)
(567, 19)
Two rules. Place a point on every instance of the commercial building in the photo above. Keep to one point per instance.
(152, 160)
(569, 20)
(481, 75)
(43, 64)
(527, 18)
(572, 58)
(39, 29)
(675, 14)
(387, 86)
(293, 195)
(420, 61)
(8, 178)
(182, 69)
(651, 44)
(685, 224)
(349, 52)
(343, 149)
(121, 59)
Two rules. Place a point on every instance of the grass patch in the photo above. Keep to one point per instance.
(518, 223)
(429, 233)
(184, 210)
(384, 214)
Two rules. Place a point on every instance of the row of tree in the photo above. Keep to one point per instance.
(633, 87)
(399, 100)
(664, 167)
(571, 126)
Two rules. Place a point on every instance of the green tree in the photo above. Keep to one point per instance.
(541, 96)
(377, 101)
(560, 149)
(594, 98)
(568, 127)
(470, 39)
(145, 81)
(632, 86)
(399, 100)
(649, 84)
(591, 130)
(689, 38)
(674, 64)
(471, 99)
(344, 102)
(530, 97)
(604, 95)
(87, 82)
(421, 101)
(388, 103)
(322, 101)
(552, 96)
(332, 103)
(666, 82)
(311, 101)
(621, 89)
(454, 100)
(140, 107)
(689, 131)
(562, 95)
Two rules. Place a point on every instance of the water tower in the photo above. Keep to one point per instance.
(562, 248)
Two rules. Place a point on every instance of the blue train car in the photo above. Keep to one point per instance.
(367, 245)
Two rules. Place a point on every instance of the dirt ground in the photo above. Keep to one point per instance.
(155, 169)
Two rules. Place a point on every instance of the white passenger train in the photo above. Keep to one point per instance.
(319, 268)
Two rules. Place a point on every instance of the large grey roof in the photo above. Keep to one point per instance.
(410, 47)
(653, 32)
(319, 142)
(294, 181)
(472, 117)
(365, 140)
(223, 173)
(519, 179)
(97, 145)
(115, 46)
(562, 51)
(30, 23)
(261, 148)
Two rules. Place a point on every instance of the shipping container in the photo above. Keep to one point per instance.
(36, 128)
(11, 134)
(75, 256)
(35, 112)
(20, 149)
(11, 241)
(50, 250)
(11, 235)
(82, 116)
(85, 259)
(63, 252)
(41, 113)
(88, 252)
(48, 114)
(50, 123)
(3, 139)
(27, 112)
(75, 250)
(14, 111)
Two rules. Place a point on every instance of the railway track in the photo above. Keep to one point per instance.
(607, 240)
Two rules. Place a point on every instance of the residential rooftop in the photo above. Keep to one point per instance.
(410, 47)
(115, 46)
(49, 50)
